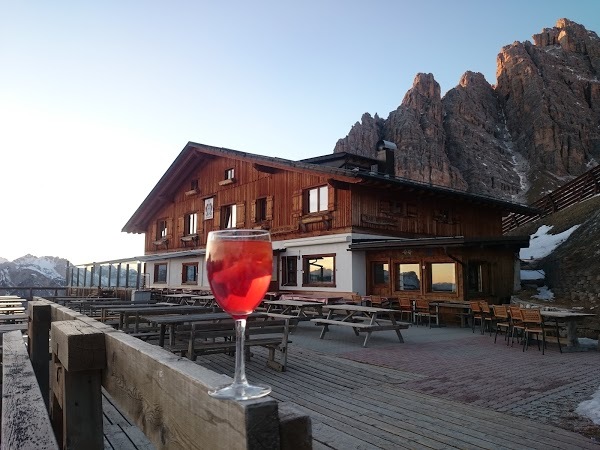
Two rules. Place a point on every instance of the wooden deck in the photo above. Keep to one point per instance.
(119, 432)
(354, 405)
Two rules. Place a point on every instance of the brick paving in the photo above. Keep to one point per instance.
(468, 367)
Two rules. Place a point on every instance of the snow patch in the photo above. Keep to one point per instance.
(541, 243)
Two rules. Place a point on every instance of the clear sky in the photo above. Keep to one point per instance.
(98, 98)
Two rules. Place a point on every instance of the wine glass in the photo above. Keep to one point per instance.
(239, 264)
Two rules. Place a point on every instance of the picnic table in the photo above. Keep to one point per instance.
(142, 312)
(172, 320)
(570, 318)
(294, 309)
(203, 300)
(323, 299)
(361, 319)
(463, 310)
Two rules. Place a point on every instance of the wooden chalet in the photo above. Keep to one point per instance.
(340, 223)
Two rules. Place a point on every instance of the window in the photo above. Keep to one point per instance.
(289, 270)
(442, 277)
(190, 224)
(161, 229)
(160, 273)
(477, 273)
(194, 185)
(189, 274)
(407, 277)
(228, 216)
(380, 273)
(317, 199)
(261, 209)
(318, 270)
(229, 174)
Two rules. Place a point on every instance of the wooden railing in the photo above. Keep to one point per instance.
(165, 395)
(581, 188)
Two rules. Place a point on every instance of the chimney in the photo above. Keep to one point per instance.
(385, 156)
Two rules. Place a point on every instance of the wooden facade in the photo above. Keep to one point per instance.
(306, 204)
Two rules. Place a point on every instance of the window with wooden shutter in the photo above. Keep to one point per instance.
(240, 215)
(331, 198)
(181, 226)
(297, 203)
(269, 208)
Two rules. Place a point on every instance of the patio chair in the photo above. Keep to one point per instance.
(516, 323)
(476, 315)
(486, 316)
(422, 310)
(406, 308)
(533, 323)
(379, 302)
(357, 299)
(502, 321)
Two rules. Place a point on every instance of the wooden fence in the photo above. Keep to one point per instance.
(581, 188)
(165, 395)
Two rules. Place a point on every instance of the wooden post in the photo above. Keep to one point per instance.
(38, 335)
(78, 357)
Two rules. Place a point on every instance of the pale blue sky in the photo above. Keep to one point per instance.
(98, 98)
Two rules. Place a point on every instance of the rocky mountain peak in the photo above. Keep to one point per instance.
(534, 130)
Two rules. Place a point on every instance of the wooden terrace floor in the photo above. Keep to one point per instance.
(354, 405)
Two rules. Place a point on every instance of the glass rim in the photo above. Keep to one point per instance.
(239, 233)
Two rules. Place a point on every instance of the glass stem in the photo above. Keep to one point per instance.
(240, 357)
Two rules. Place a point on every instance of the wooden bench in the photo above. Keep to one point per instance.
(25, 420)
(207, 338)
(13, 327)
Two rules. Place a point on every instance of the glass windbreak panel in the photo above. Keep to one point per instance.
(408, 277)
(443, 277)
(381, 273)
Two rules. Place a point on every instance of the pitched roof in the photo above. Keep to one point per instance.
(192, 154)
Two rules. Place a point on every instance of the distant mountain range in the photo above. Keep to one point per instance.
(32, 271)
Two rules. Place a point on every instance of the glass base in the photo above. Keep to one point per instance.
(241, 391)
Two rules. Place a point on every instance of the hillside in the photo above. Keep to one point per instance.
(573, 268)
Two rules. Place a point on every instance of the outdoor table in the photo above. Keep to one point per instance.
(173, 320)
(203, 300)
(142, 312)
(463, 308)
(324, 299)
(570, 318)
(180, 297)
(295, 309)
(361, 318)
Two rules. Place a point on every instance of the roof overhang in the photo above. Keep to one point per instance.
(441, 242)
